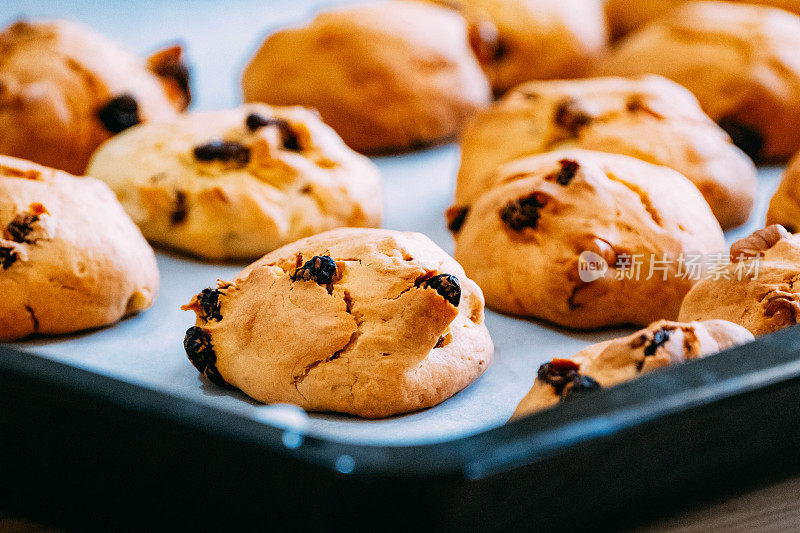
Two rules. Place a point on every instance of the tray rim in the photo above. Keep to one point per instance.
(769, 360)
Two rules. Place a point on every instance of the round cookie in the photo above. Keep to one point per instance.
(64, 89)
(650, 118)
(739, 60)
(784, 207)
(757, 289)
(616, 361)
(586, 239)
(626, 15)
(70, 258)
(236, 184)
(368, 322)
(522, 40)
(387, 76)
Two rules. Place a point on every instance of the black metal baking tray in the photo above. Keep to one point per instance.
(85, 450)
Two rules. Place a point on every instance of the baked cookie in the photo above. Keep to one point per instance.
(757, 289)
(649, 118)
(586, 239)
(64, 89)
(368, 322)
(740, 62)
(612, 362)
(70, 258)
(627, 15)
(387, 76)
(238, 183)
(522, 40)
(784, 207)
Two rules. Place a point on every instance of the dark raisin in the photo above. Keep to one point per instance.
(578, 386)
(209, 303)
(447, 286)
(120, 113)
(568, 170)
(660, 337)
(178, 71)
(456, 217)
(571, 116)
(223, 151)
(320, 269)
(7, 257)
(523, 212)
(179, 208)
(21, 227)
(746, 138)
(558, 373)
(254, 121)
(197, 344)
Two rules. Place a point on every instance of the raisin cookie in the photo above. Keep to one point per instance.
(64, 89)
(649, 118)
(586, 239)
(615, 361)
(627, 15)
(739, 60)
(238, 183)
(784, 207)
(70, 258)
(522, 40)
(758, 288)
(387, 76)
(368, 322)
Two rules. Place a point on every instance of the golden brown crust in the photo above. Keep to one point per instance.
(397, 74)
(522, 241)
(281, 176)
(70, 258)
(372, 338)
(649, 118)
(56, 80)
(784, 206)
(760, 293)
(522, 40)
(739, 60)
(616, 361)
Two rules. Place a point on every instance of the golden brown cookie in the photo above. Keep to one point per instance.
(523, 40)
(757, 289)
(616, 361)
(585, 239)
(784, 207)
(368, 322)
(650, 118)
(387, 76)
(627, 15)
(64, 89)
(739, 60)
(238, 183)
(70, 258)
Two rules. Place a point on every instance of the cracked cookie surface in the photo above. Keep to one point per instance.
(650, 118)
(523, 239)
(615, 361)
(740, 62)
(758, 289)
(64, 89)
(238, 183)
(367, 322)
(70, 258)
(387, 76)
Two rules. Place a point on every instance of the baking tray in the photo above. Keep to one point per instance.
(118, 417)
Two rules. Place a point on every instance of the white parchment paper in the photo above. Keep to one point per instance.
(148, 350)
